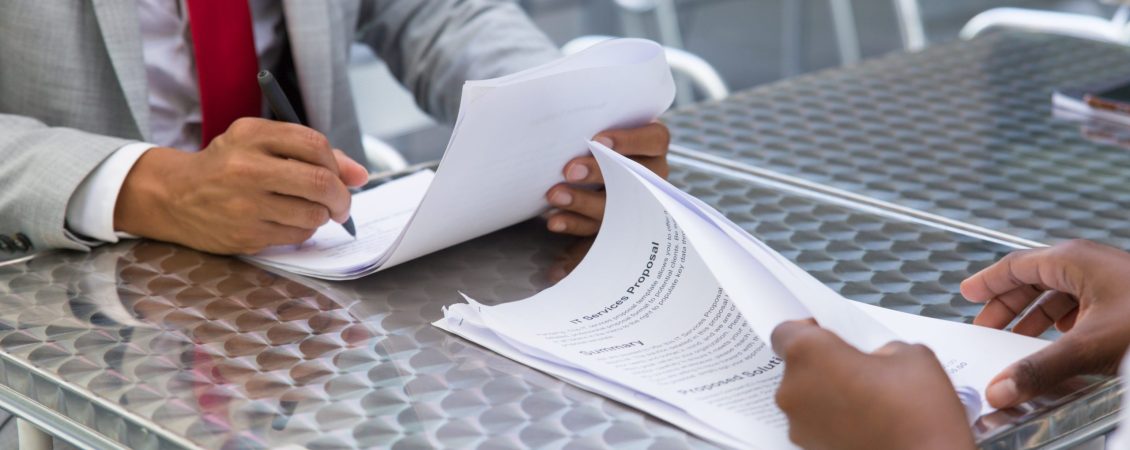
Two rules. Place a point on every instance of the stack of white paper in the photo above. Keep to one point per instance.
(672, 308)
(510, 144)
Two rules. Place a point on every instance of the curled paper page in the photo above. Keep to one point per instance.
(672, 308)
(512, 139)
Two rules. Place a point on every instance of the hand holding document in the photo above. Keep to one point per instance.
(672, 309)
(511, 139)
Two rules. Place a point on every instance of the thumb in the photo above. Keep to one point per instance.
(352, 173)
(1038, 373)
(786, 333)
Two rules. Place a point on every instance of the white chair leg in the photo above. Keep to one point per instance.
(671, 35)
(631, 23)
(668, 19)
(847, 38)
(31, 437)
(793, 35)
(910, 25)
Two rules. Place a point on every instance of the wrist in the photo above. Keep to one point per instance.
(141, 208)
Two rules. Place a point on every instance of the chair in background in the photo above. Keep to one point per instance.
(380, 95)
(1084, 26)
(666, 20)
(695, 70)
(381, 156)
(911, 28)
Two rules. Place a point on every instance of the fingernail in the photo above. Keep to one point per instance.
(556, 226)
(577, 173)
(561, 198)
(1003, 393)
(604, 140)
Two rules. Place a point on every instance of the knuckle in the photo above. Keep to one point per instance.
(921, 351)
(804, 344)
(239, 168)
(1069, 251)
(240, 207)
(244, 239)
(1011, 256)
(1077, 245)
(245, 126)
(321, 180)
(315, 216)
(1029, 376)
(314, 139)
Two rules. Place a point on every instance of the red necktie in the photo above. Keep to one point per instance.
(226, 63)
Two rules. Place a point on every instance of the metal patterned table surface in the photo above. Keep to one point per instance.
(151, 345)
(964, 131)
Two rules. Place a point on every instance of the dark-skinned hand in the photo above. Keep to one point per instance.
(837, 397)
(1081, 288)
(580, 199)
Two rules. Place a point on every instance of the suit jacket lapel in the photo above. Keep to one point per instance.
(121, 31)
(308, 28)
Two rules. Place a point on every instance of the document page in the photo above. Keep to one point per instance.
(644, 310)
(509, 146)
(970, 369)
(464, 321)
(380, 215)
(516, 133)
(671, 309)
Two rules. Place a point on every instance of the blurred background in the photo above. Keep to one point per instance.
(747, 42)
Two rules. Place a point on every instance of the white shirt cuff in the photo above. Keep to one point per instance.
(90, 212)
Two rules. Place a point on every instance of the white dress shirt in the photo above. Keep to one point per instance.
(174, 104)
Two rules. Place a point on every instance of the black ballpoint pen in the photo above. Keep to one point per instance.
(285, 112)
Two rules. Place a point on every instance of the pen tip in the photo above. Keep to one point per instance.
(348, 225)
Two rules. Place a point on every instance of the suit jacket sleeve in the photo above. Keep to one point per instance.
(433, 46)
(40, 167)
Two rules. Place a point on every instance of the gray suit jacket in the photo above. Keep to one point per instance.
(73, 87)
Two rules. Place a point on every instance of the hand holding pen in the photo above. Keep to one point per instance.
(285, 112)
(258, 184)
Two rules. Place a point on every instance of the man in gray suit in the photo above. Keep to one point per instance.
(123, 118)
